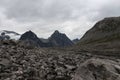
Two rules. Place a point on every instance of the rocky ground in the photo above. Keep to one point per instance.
(26, 63)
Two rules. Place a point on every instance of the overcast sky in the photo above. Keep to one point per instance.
(73, 17)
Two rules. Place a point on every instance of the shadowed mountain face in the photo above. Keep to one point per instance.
(75, 40)
(31, 38)
(29, 35)
(105, 33)
(56, 40)
(59, 39)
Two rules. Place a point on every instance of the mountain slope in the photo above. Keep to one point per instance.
(56, 40)
(75, 41)
(60, 40)
(31, 39)
(105, 34)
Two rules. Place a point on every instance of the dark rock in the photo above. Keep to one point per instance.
(31, 39)
(98, 69)
(56, 40)
(75, 41)
(60, 40)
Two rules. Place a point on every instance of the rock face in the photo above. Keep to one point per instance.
(60, 40)
(98, 69)
(31, 39)
(56, 40)
(29, 36)
(75, 41)
(105, 31)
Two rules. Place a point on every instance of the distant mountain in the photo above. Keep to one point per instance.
(75, 41)
(105, 34)
(57, 39)
(4, 34)
(31, 39)
(60, 39)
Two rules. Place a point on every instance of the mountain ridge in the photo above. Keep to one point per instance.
(105, 32)
(57, 39)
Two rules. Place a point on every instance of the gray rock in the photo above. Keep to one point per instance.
(98, 69)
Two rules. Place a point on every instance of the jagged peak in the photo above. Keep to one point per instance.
(56, 32)
(30, 31)
(28, 35)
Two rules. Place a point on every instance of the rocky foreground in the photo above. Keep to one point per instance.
(25, 63)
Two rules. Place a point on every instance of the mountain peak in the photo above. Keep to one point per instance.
(30, 32)
(31, 38)
(56, 31)
(57, 34)
(28, 35)
(60, 39)
(57, 39)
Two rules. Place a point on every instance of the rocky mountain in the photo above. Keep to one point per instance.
(75, 41)
(4, 34)
(105, 33)
(60, 40)
(30, 38)
(57, 39)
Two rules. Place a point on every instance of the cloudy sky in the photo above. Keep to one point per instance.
(73, 17)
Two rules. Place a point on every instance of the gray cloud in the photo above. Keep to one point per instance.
(73, 17)
(30, 10)
(111, 9)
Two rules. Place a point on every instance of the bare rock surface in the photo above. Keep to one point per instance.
(24, 63)
(98, 69)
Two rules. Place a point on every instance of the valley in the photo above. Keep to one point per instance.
(96, 56)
